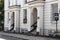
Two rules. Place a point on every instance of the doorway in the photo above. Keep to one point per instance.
(34, 21)
(12, 21)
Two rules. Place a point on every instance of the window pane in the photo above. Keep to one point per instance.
(8, 2)
(25, 16)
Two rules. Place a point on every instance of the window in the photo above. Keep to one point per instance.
(8, 2)
(13, 16)
(25, 16)
(54, 9)
(25, 1)
(16, 2)
(13, 19)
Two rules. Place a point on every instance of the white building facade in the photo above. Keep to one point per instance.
(31, 15)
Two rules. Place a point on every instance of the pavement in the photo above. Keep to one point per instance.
(3, 37)
(26, 36)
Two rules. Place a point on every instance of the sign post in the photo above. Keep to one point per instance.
(56, 15)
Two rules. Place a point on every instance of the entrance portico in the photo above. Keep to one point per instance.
(36, 18)
(13, 19)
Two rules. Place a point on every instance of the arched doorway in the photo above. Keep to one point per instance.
(34, 21)
(12, 19)
(34, 13)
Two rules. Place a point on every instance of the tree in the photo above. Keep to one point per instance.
(1, 14)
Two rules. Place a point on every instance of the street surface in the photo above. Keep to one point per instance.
(2, 37)
(12, 36)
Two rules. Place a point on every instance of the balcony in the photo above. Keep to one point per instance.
(36, 1)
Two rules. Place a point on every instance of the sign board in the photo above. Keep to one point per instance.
(56, 16)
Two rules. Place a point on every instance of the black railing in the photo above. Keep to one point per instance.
(12, 27)
(34, 26)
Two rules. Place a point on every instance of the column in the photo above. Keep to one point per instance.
(29, 11)
(10, 20)
(39, 18)
(6, 25)
(17, 21)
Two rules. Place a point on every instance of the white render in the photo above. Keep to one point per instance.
(44, 14)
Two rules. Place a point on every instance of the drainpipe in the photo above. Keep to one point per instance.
(43, 17)
(19, 19)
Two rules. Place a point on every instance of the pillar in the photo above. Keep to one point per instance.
(17, 21)
(6, 24)
(10, 20)
(39, 18)
(29, 12)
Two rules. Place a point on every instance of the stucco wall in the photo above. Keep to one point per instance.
(47, 15)
(47, 10)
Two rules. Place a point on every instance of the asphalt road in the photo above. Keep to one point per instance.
(3, 37)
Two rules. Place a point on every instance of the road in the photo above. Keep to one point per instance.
(8, 36)
(2, 37)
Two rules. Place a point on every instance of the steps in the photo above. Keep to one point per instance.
(12, 29)
(34, 26)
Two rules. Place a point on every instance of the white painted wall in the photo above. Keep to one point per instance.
(14, 2)
(40, 20)
(29, 0)
(59, 14)
(47, 15)
(6, 24)
(6, 5)
(17, 21)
